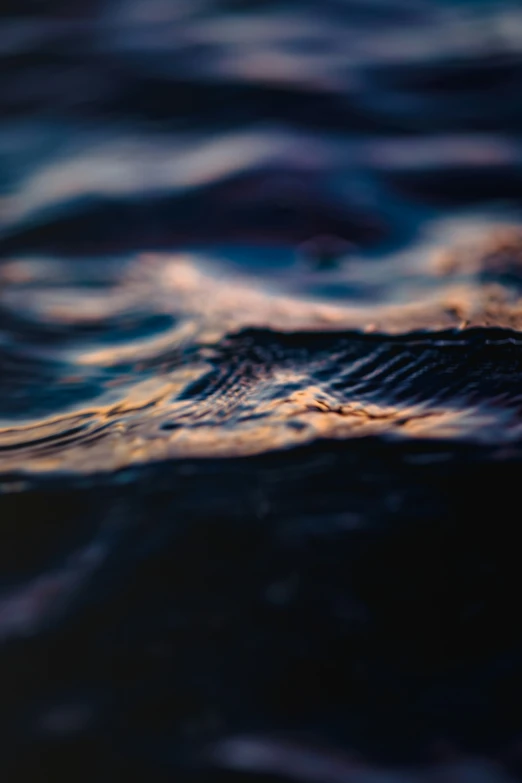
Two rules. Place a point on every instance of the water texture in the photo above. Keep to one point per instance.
(260, 390)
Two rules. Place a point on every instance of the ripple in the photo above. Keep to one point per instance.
(261, 391)
(187, 355)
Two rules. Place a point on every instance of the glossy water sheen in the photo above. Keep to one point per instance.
(260, 357)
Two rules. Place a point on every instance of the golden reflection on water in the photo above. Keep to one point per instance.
(147, 410)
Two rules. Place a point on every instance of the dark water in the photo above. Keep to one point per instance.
(260, 391)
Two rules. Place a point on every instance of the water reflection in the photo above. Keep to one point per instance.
(260, 314)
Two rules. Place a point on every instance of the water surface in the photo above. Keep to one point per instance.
(260, 367)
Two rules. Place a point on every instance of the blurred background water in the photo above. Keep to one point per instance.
(260, 367)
